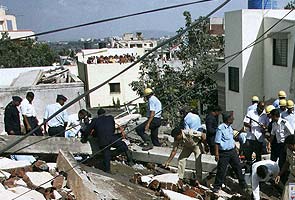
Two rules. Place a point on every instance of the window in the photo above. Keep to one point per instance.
(115, 88)
(280, 52)
(9, 25)
(233, 78)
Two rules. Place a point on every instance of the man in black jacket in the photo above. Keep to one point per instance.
(12, 118)
(104, 131)
(211, 126)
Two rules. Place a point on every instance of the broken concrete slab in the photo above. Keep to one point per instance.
(4, 175)
(9, 195)
(27, 193)
(160, 155)
(44, 145)
(27, 79)
(175, 195)
(2, 188)
(8, 164)
(167, 178)
(38, 179)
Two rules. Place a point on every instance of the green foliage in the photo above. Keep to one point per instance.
(24, 53)
(189, 84)
(290, 5)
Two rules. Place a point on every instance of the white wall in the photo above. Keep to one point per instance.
(233, 43)
(98, 73)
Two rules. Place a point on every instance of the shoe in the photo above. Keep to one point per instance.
(215, 189)
(148, 147)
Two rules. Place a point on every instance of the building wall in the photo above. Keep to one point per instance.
(44, 95)
(98, 73)
(278, 77)
(233, 43)
(258, 76)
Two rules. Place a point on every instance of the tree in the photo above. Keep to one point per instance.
(189, 84)
(24, 53)
(290, 5)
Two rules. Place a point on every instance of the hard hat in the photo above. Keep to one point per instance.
(269, 108)
(147, 91)
(283, 102)
(282, 94)
(290, 104)
(255, 98)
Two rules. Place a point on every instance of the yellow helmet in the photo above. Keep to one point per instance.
(255, 98)
(269, 108)
(290, 104)
(147, 91)
(283, 102)
(282, 94)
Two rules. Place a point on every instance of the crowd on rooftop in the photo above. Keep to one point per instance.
(125, 58)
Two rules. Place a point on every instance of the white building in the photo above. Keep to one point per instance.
(130, 40)
(118, 89)
(263, 69)
(8, 24)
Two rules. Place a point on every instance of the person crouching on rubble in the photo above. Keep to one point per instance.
(226, 153)
(104, 131)
(191, 141)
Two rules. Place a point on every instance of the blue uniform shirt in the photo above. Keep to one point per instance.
(154, 104)
(192, 121)
(225, 137)
(276, 103)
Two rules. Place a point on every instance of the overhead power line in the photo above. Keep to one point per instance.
(113, 19)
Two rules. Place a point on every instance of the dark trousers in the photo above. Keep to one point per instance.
(253, 146)
(226, 158)
(154, 127)
(58, 131)
(33, 123)
(120, 146)
(211, 144)
(278, 151)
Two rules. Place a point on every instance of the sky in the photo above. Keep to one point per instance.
(44, 15)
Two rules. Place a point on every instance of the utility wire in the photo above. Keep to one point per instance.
(144, 56)
(118, 74)
(113, 18)
(190, 90)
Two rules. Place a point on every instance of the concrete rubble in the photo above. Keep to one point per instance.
(24, 181)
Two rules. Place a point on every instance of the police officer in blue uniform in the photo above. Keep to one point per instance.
(104, 131)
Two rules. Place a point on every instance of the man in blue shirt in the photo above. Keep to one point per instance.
(225, 152)
(154, 111)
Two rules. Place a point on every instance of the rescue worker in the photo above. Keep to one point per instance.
(104, 132)
(225, 153)
(263, 171)
(280, 130)
(12, 118)
(282, 95)
(256, 121)
(191, 141)
(282, 106)
(29, 114)
(255, 100)
(57, 124)
(289, 114)
(211, 126)
(154, 111)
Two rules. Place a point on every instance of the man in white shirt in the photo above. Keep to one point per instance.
(58, 124)
(289, 114)
(256, 121)
(280, 130)
(263, 171)
(29, 114)
(255, 100)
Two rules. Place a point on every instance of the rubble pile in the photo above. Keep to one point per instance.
(37, 181)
